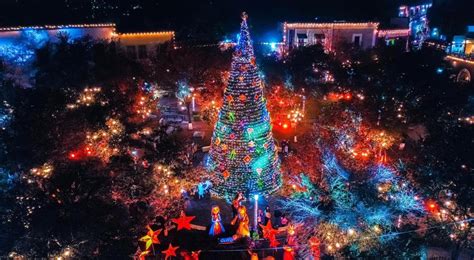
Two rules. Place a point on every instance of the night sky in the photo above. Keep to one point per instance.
(212, 19)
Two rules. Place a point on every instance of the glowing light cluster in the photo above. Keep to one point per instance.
(87, 97)
(102, 143)
(44, 171)
(468, 120)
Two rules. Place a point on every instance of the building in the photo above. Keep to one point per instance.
(397, 32)
(460, 53)
(418, 21)
(140, 45)
(463, 45)
(329, 35)
(17, 44)
(394, 36)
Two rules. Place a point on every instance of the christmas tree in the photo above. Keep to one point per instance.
(243, 156)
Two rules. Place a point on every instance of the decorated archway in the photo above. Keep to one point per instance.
(464, 76)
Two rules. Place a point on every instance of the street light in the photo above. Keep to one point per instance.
(185, 95)
(255, 211)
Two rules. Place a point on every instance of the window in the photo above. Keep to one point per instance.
(357, 39)
(291, 35)
(319, 38)
(132, 52)
(302, 37)
(142, 53)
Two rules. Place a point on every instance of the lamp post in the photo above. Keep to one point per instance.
(255, 212)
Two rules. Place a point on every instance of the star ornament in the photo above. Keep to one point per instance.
(171, 251)
(226, 174)
(274, 242)
(247, 159)
(143, 255)
(151, 237)
(268, 231)
(183, 222)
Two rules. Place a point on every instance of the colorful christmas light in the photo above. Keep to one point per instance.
(243, 155)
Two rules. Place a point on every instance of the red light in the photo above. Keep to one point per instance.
(72, 156)
(432, 206)
(285, 126)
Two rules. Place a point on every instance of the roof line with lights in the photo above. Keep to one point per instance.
(145, 33)
(332, 24)
(94, 25)
(52, 27)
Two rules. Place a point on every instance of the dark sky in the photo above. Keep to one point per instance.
(196, 18)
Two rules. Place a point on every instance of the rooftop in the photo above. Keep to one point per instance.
(53, 27)
(335, 24)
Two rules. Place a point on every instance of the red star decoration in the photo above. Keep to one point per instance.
(171, 251)
(273, 242)
(230, 98)
(242, 97)
(268, 230)
(183, 222)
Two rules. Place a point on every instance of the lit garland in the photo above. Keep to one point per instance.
(243, 156)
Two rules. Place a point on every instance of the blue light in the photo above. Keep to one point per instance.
(255, 196)
(273, 46)
(439, 70)
(184, 91)
(34, 38)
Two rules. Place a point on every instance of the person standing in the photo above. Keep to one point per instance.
(236, 203)
(243, 219)
(216, 227)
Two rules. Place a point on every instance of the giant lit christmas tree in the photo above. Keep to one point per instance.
(243, 156)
